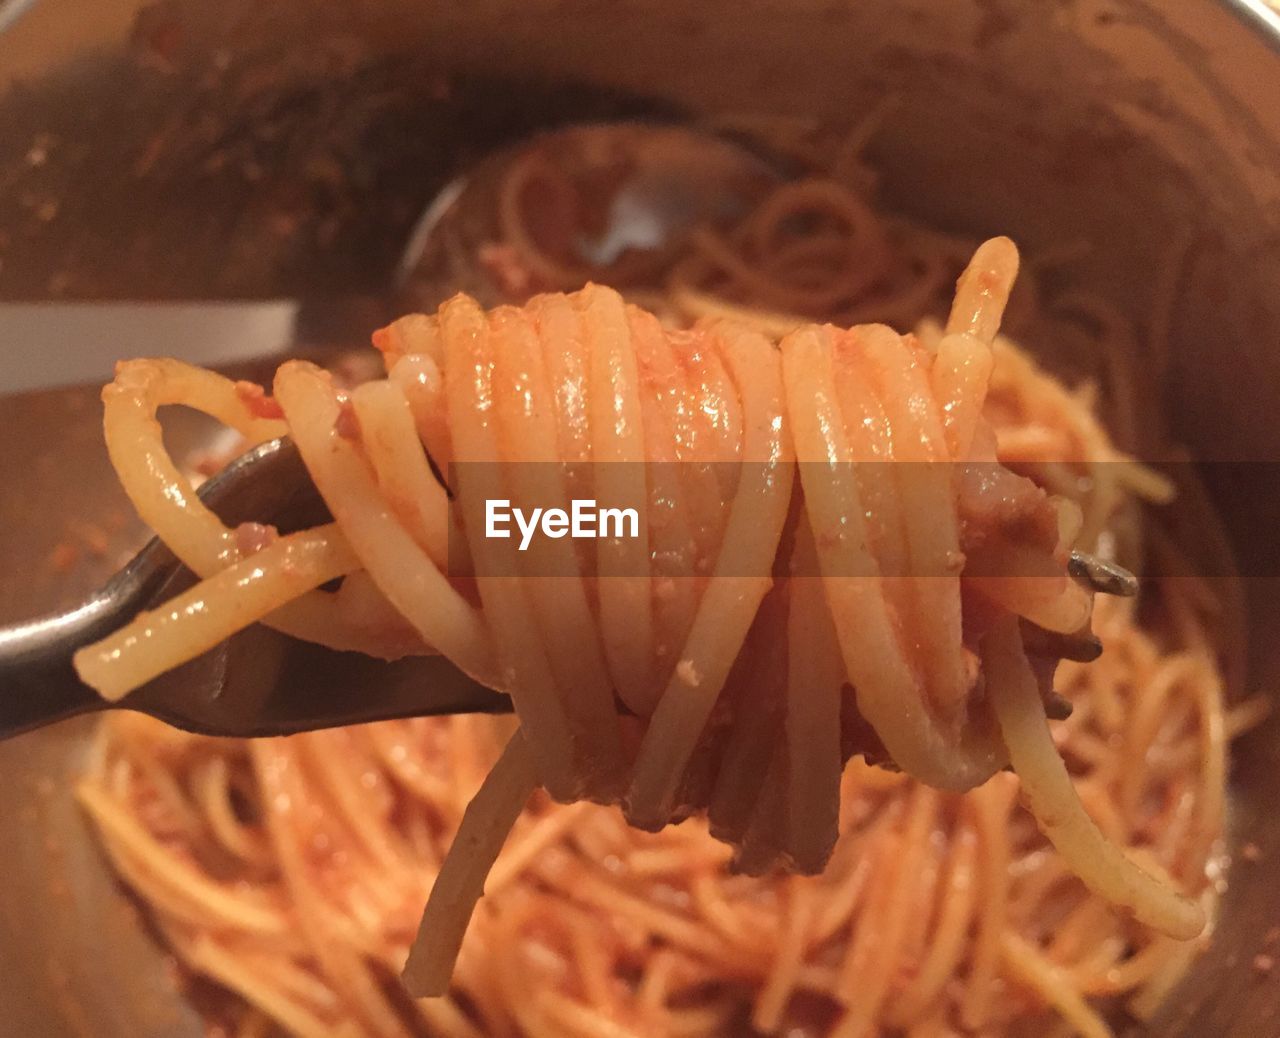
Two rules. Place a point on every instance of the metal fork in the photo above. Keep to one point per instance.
(260, 682)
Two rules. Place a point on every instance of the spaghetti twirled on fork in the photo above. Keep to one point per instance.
(926, 560)
(291, 872)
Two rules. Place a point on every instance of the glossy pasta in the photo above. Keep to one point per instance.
(850, 593)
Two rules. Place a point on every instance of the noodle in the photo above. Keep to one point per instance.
(819, 604)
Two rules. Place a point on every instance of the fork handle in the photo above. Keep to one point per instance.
(38, 684)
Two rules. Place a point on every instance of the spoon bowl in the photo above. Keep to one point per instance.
(649, 185)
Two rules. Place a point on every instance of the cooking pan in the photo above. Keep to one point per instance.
(281, 152)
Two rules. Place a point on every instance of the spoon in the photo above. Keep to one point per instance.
(656, 183)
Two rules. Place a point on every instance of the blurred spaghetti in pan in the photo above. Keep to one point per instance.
(885, 580)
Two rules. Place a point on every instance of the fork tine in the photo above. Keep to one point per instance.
(1106, 578)
(1057, 707)
(1082, 647)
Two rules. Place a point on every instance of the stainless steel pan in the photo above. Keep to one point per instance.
(281, 151)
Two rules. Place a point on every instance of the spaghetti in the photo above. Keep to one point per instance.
(289, 871)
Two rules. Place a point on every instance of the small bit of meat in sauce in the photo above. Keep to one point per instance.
(348, 424)
(255, 398)
(95, 540)
(995, 502)
(64, 557)
(251, 538)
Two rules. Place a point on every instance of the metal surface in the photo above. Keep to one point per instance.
(36, 335)
(1130, 125)
(11, 11)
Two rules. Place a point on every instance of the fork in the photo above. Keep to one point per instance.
(261, 682)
